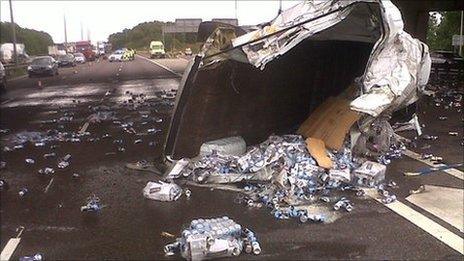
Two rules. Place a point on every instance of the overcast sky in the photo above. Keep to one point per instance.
(102, 18)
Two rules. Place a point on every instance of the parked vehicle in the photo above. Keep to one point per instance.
(2, 77)
(43, 65)
(56, 50)
(79, 58)
(66, 60)
(6, 52)
(85, 47)
(188, 51)
(157, 50)
(101, 48)
(116, 56)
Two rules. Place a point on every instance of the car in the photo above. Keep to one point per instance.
(2, 77)
(79, 58)
(116, 56)
(43, 65)
(66, 60)
(188, 51)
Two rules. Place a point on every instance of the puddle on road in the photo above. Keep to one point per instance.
(63, 95)
(66, 90)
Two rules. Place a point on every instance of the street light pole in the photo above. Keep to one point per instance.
(13, 31)
(65, 35)
(162, 32)
(460, 33)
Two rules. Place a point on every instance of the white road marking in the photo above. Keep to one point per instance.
(453, 172)
(7, 101)
(11, 246)
(439, 232)
(443, 202)
(49, 185)
(9, 249)
(160, 65)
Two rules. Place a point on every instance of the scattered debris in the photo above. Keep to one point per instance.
(49, 155)
(214, 238)
(162, 191)
(30, 161)
(370, 174)
(426, 171)
(429, 137)
(290, 179)
(46, 171)
(93, 204)
(417, 191)
(64, 162)
(3, 185)
(36, 257)
(166, 234)
(49, 185)
(22, 192)
(188, 193)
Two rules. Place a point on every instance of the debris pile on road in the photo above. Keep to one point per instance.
(36, 257)
(281, 174)
(149, 111)
(93, 204)
(162, 191)
(214, 238)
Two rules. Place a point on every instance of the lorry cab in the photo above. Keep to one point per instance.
(157, 50)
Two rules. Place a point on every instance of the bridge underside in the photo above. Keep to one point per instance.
(416, 13)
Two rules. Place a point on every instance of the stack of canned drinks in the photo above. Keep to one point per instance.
(214, 238)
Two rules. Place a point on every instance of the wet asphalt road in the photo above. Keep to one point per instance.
(129, 226)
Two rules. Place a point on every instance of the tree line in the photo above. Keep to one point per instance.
(140, 36)
(35, 42)
(442, 27)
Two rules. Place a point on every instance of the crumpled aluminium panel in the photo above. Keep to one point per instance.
(398, 67)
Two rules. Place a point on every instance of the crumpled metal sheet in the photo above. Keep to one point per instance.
(399, 65)
(279, 44)
(397, 68)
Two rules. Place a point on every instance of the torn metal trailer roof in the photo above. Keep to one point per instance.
(269, 80)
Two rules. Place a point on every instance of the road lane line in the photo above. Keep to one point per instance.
(49, 185)
(452, 171)
(11, 246)
(17, 78)
(9, 249)
(160, 65)
(428, 225)
(7, 101)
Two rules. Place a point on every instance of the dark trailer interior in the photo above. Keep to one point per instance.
(238, 99)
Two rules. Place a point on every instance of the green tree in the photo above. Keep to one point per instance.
(35, 42)
(140, 36)
(440, 33)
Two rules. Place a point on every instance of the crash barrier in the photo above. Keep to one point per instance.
(9, 68)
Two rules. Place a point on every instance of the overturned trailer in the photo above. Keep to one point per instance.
(268, 81)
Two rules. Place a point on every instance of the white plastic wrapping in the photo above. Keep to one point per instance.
(162, 191)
